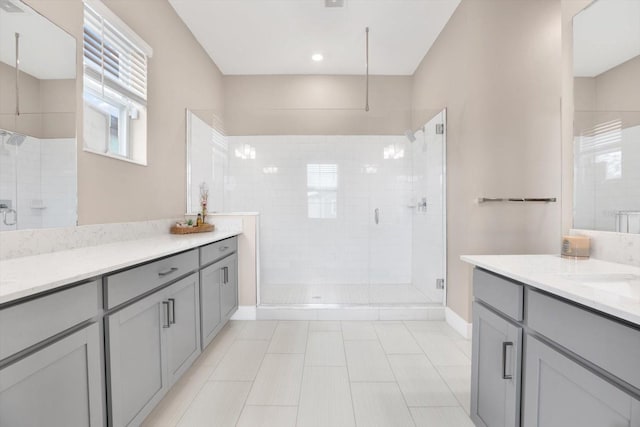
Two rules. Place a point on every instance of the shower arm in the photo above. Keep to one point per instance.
(366, 100)
(17, 74)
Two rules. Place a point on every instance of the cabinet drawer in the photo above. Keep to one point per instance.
(122, 287)
(500, 293)
(606, 343)
(218, 250)
(25, 324)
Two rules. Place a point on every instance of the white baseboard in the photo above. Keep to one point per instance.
(458, 323)
(245, 312)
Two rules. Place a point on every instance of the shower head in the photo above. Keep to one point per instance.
(16, 139)
(411, 136)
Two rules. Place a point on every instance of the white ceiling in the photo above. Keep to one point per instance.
(605, 34)
(279, 36)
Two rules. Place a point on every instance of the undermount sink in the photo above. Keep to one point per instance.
(623, 284)
(603, 277)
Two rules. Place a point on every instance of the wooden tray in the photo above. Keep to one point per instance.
(189, 230)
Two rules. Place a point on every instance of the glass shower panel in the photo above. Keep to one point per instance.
(429, 209)
(345, 219)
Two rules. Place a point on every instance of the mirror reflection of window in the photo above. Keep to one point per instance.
(322, 191)
(606, 38)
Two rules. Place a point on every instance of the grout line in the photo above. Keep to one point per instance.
(304, 362)
(455, 395)
(225, 327)
(346, 361)
(257, 372)
(394, 374)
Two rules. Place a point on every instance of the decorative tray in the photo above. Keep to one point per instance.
(189, 230)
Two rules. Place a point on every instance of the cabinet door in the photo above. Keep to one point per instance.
(210, 282)
(495, 371)
(136, 359)
(183, 335)
(229, 288)
(559, 392)
(59, 385)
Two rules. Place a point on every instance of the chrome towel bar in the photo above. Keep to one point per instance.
(517, 199)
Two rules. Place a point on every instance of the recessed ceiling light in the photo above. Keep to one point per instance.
(317, 57)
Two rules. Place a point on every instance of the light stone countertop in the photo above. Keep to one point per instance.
(604, 286)
(30, 275)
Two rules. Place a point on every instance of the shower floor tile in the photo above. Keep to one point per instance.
(344, 294)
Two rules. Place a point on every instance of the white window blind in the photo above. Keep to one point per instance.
(115, 57)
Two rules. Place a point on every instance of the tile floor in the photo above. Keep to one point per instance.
(325, 373)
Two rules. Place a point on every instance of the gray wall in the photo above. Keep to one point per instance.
(496, 67)
(181, 75)
(316, 105)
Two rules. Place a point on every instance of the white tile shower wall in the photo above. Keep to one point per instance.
(348, 249)
(29, 179)
(608, 180)
(39, 178)
(59, 183)
(8, 190)
(428, 227)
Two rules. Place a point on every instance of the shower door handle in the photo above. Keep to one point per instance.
(376, 215)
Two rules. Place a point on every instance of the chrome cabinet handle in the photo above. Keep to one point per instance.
(376, 215)
(225, 272)
(223, 248)
(167, 272)
(166, 312)
(172, 320)
(504, 361)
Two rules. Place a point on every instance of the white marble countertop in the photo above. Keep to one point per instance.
(29, 275)
(608, 287)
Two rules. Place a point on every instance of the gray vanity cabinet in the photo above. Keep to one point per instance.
(183, 343)
(57, 385)
(151, 343)
(495, 370)
(211, 279)
(542, 361)
(559, 392)
(136, 355)
(229, 286)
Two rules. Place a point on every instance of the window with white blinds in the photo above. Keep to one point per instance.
(115, 85)
(112, 58)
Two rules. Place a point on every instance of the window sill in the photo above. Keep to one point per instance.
(116, 157)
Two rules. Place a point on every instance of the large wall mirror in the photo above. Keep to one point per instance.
(38, 172)
(606, 38)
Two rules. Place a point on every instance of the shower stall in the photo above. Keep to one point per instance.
(37, 181)
(345, 220)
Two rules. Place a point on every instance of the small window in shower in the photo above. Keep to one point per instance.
(322, 191)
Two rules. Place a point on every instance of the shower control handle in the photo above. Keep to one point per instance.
(376, 215)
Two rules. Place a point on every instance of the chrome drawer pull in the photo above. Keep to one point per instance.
(223, 248)
(504, 361)
(167, 272)
(166, 312)
(172, 321)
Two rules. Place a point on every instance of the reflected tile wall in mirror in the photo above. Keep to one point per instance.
(38, 180)
(607, 117)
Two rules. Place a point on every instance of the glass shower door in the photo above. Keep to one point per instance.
(428, 203)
